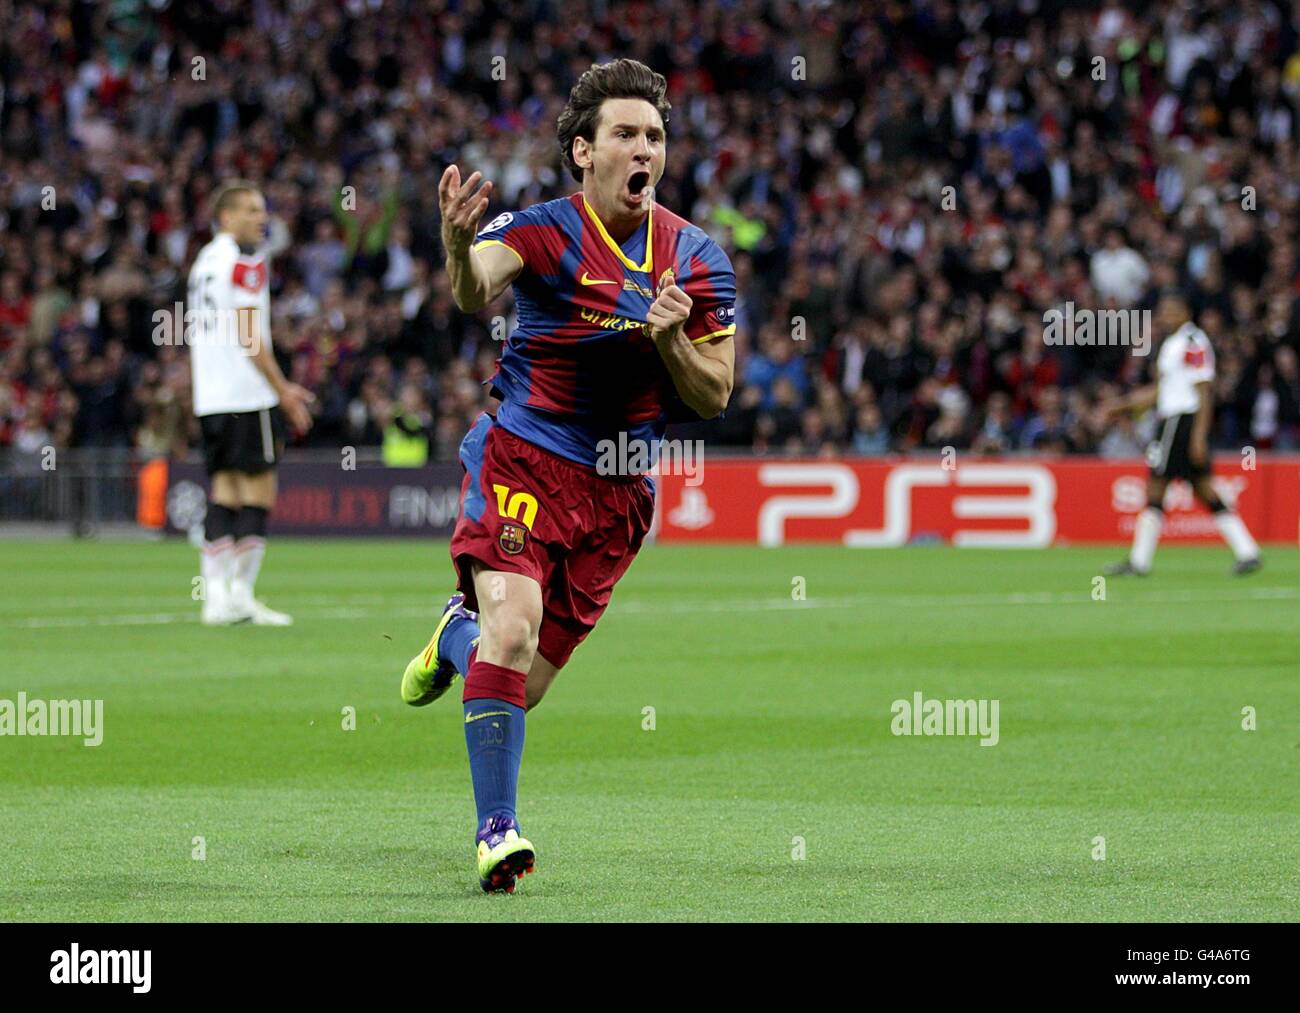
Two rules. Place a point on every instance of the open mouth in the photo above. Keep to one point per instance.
(638, 186)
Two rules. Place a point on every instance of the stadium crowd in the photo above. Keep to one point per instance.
(904, 187)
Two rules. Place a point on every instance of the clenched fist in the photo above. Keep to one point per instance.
(668, 312)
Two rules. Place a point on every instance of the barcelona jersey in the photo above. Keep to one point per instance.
(580, 366)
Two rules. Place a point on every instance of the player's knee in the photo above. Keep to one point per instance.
(258, 490)
(224, 490)
(511, 635)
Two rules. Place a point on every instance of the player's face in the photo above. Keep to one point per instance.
(246, 221)
(627, 155)
(1171, 315)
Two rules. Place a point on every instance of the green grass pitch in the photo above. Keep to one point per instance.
(1120, 719)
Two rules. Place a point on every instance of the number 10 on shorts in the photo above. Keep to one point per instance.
(521, 506)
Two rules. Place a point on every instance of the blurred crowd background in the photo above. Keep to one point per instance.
(1101, 154)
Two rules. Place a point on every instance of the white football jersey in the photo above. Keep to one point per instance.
(1185, 360)
(223, 281)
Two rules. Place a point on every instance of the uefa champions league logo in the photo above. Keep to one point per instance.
(499, 222)
(187, 505)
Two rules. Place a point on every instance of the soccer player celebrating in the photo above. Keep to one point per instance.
(625, 317)
(1185, 406)
(239, 391)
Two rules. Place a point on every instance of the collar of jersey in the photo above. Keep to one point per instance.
(228, 237)
(645, 268)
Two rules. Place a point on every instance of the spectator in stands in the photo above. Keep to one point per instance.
(1118, 273)
(776, 360)
(997, 432)
(899, 222)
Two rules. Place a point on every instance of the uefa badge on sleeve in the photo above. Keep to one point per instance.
(512, 538)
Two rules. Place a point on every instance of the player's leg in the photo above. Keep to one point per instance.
(509, 618)
(450, 652)
(446, 656)
(1234, 532)
(218, 550)
(540, 676)
(511, 528)
(582, 584)
(1167, 457)
(1146, 532)
(257, 498)
(495, 702)
(260, 449)
(495, 649)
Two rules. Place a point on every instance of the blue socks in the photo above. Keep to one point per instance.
(457, 643)
(494, 736)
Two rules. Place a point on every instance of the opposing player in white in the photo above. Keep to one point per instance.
(239, 393)
(1185, 407)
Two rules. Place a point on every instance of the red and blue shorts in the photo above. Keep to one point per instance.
(526, 510)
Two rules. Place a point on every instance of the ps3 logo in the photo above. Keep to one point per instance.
(1037, 505)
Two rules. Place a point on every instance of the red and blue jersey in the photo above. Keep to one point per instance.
(580, 366)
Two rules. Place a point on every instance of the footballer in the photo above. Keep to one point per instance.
(1185, 407)
(625, 321)
(240, 398)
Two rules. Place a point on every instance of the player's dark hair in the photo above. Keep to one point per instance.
(228, 193)
(621, 78)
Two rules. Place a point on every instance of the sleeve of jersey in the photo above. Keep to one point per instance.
(520, 232)
(248, 276)
(711, 284)
(1199, 363)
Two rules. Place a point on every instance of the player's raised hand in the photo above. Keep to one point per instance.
(462, 206)
(669, 311)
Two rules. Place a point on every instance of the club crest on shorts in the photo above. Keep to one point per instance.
(512, 538)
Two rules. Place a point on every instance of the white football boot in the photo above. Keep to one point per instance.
(256, 612)
(219, 606)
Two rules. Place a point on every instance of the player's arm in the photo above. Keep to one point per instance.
(294, 398)
(477, 276)
(703, 374)
(1199, 446)
(277, 238)
(1135, 401)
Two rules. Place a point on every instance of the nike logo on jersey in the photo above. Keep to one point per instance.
(587, 280)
